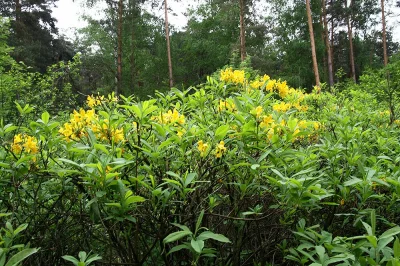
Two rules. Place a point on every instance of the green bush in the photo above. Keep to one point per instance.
(215, 175)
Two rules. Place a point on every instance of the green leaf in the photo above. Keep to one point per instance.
(177, 248)
(396, 248)
(221, 132)
(197, 245)
(183, 227)
(384, 242)
(210, 235)
(176, 236)
(134, 199)
(70, 259)
(351, 182)
(82, 255)
(45, 117)
(372, 240)
(199, 220)
(20, 256)
(102, 148)
(189, 178)
(391, 232)
(368, 228)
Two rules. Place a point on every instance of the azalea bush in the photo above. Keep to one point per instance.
(241, 170)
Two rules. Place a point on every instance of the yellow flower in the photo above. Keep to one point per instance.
(317, 89)
(220, 149)
(270, 85)
(225, 105)
(283, 89)
(256, 84)
(230, 76)
(281, 107)
(317, 125)
(257, 111)
(266, 121)
(265, 78)
(180, 132)
(24, 142)
(93, 101)
(302, 124)
(117, 135)
(202, 147)
(170, 117)
(342, 202)
(30, 144)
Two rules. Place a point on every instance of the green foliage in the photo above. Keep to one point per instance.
(84, 259)
(235, 164)
(13, 254)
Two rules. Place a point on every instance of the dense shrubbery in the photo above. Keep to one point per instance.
(240, 171)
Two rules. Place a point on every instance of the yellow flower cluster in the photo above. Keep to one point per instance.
(103, 132)
(272, 127)
(83, 120)
(75, 128)
(257, 111)
(202, 147)
(232, 76)
(225, 105)
(283, 89)
(170, 117)
(24, 143)
(301, 108)
(267, 120)
(220, 149)
(93, 101)
(281, 107)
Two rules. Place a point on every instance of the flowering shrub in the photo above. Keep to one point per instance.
(246, 162)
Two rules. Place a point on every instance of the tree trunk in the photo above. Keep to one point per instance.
(171, 81)
(350, 33)
(327, 44)
(242, 32)
(17, 11)
(132, 55)
(119, 48)
(314, 55)
(332, 38)
(18, 25)
(385, 57)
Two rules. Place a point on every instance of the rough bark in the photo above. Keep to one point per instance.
(327, 44)
(242, 32)
(350, 34)
(314, 55)
(385, 57)
(119, 48)
(171, 81)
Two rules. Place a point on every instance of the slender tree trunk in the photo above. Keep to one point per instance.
(132, 56)
(242, 32)
(171, 81)
(324, 57)
(119, 48)
(17, 11)
(327, 44)
(385, 57)
(314, 55)
(350, 33)
(332, 39)
(18, 25)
